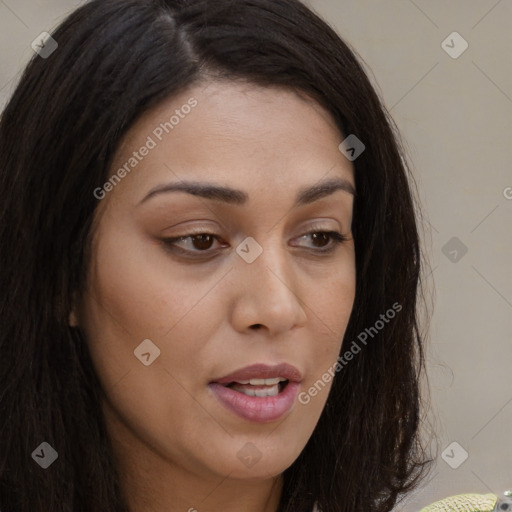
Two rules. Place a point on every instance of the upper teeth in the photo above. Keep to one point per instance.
(262, 382)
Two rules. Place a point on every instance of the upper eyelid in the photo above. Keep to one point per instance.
(210, 231)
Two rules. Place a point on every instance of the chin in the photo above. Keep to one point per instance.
(260, 463)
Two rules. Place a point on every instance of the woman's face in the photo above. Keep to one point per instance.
(241, 284)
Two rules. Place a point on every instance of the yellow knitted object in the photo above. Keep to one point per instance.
(464, 503)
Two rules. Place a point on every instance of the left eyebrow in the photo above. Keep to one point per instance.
(306, 195)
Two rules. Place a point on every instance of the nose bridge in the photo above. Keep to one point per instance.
(270, 266)
(273, 272)
(269, 291)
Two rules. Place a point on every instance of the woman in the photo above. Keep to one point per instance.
(210, 269)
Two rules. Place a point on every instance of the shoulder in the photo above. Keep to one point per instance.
(465, 503)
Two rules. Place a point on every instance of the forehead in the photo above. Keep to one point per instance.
(248, 136)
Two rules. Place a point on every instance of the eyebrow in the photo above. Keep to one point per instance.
(233, 196)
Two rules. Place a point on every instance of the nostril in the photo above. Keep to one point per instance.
(255, 326)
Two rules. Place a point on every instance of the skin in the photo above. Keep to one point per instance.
(175, 444)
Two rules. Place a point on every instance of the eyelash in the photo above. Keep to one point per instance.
(336, 239)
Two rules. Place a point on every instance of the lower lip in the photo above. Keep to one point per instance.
(255, 408)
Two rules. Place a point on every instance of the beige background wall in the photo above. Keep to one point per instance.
(456, 118)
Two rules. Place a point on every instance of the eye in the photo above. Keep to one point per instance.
(321, 240)
(201, 243)
(197, 242)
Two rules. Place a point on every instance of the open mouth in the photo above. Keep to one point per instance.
(259, 387)
(260, 393)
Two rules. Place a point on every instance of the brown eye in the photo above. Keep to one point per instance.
(192, 244)
(320, 239)
(325, 241)
(202, 242)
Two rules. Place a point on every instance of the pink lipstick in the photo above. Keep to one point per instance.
(259, 392)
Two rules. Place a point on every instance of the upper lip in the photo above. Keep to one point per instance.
(263, 371)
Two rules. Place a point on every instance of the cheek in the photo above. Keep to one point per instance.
(136, 295)
(133, 301)
(333, 306)
(330, 312)
(137, 288)
(331, 302)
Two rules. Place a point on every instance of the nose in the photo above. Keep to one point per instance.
(266, 294)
